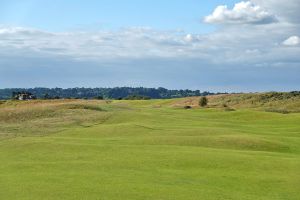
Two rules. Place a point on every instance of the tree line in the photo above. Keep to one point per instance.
(103, 93)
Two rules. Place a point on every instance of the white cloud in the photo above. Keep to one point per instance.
(292, 41)
(242, 13)
(189, 38)
(286, 10)
(125, 43)
(143, 43)
(222, 46)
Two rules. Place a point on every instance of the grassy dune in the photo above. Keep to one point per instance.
(270, 102)
(74, 149)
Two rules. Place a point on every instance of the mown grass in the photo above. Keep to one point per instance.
(147, 150)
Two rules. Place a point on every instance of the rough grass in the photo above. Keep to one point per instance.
(271, 102)
(147, 150)
(44, 117)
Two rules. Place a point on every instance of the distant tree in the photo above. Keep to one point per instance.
(137, 97)
(106, 93)
(14, 95)
(47, 96)
(203, 101)
(99, 97)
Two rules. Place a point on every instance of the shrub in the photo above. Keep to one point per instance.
(203, 102)
(187, 107)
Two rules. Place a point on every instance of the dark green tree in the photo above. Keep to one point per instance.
(203, 102)
(14, 95)
(99, 97)
(47, 96)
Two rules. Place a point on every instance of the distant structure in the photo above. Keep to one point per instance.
(23, 96)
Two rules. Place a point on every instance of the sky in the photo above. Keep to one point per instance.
(216, 45)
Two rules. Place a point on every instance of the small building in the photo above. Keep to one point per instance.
(23, 96)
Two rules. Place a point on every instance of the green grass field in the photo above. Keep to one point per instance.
(156, 150)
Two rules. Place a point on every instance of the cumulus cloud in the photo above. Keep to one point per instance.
(242, 13)
(286, 11)
(292, 41)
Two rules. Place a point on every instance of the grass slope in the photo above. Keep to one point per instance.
(146, 150)
(270, 102)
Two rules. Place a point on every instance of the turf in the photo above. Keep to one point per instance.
(146, 150)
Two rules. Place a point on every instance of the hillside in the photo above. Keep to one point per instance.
(271, 102)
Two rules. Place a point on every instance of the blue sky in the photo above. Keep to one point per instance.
(209, 45)
(57, 15)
